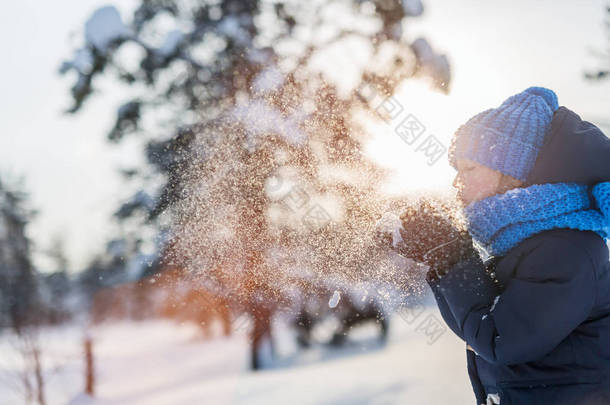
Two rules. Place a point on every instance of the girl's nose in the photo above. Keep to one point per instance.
(455, 181)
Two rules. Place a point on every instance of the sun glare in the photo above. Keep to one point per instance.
(414, 170)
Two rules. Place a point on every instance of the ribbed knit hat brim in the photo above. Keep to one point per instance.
(507, 138)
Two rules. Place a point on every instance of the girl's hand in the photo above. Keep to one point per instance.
(431, 237)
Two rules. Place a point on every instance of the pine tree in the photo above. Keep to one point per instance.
(18, 295)
(265, 177)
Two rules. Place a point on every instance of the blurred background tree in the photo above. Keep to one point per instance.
(603, 56)
(21, 307)
(18, 292)
(254, 136)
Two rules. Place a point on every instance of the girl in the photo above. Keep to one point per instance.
(527, 287)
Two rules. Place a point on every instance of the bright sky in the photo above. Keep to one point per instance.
(495, 48)
(69, 168)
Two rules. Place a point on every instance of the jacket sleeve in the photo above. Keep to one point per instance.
(475, 381)
(551, 293)
(444, 309)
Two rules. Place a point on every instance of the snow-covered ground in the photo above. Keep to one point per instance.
(162, 363)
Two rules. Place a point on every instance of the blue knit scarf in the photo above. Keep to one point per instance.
(501, 222)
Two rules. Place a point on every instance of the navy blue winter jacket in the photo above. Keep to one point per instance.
(542, 334)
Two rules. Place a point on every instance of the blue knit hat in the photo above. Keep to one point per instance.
(507, 138)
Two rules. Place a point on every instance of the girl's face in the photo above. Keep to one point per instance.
(475, 182)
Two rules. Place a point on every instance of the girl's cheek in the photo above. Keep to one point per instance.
(477, 186)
